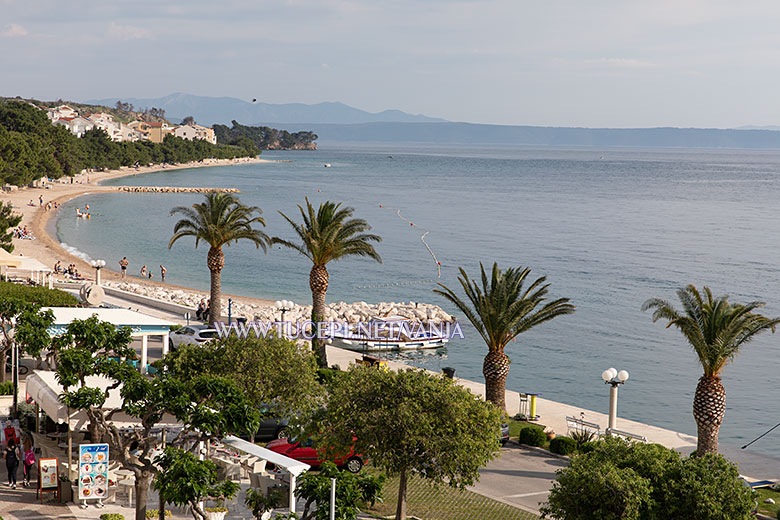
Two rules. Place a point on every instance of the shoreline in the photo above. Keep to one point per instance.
(47, 249)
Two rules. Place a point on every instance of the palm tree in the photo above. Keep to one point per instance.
(501, 310)
(715, 329)
(326, 235)
(218, 221)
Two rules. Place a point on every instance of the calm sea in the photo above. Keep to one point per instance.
(609, 228)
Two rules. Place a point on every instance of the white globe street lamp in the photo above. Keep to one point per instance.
(284, 306)
(97, 265)
(613, 378)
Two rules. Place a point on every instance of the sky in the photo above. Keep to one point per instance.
(620, 63)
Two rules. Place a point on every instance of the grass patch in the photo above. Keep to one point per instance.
(768, 509)
(426, 502)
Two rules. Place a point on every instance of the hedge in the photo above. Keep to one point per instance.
(532, 436)
(6, 388)
(563, 445)
(112, 516)
(43, 296)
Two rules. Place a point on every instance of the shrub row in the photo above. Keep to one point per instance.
(43, 296)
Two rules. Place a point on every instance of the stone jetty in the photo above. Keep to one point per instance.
(341, 311)
(173, 189)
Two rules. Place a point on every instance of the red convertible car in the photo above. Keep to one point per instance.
(305, 451)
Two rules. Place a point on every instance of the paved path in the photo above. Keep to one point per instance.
(520, 477)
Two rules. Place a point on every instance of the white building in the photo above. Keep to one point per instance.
(186, 132)
(77, 125)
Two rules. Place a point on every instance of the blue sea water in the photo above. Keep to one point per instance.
(609, 228)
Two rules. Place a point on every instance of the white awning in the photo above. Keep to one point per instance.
(9, 260)
(43, 388)
(294, 467)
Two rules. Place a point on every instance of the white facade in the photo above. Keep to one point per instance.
(186, 132)
(77, 125)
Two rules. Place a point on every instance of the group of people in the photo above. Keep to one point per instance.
(69, 271)
(15, 452)
(23, 233)
(51, 205)
(145, 273)
(83, 214)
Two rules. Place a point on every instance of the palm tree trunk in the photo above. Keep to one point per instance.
(495, 368)
(318, 283)
(215, 261)
(709, 405)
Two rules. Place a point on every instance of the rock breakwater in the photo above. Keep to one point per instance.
(341, 311)
(173, 189)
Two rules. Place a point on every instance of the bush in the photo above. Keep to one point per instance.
(43, 296)
(6, 388)
(532, 436)
(112, 516)
(563, 445)
(154, 514)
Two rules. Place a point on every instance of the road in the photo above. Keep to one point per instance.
(520, 477)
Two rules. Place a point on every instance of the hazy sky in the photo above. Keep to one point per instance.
(620, 63)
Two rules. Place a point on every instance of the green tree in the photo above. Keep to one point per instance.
(352, 490)
(279, 378)
(619, 480)
(218, 221)
(208, 407)
(184, 480)
(410, 422)
(8, 221)
(189, 120)
(500, 310)
(328, 234)
(716, 330)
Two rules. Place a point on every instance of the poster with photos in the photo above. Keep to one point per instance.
(93, 471)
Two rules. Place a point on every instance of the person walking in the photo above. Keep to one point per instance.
(11, 455)
(143, 272)
(29, 460)
(123, 263)
(163, 270)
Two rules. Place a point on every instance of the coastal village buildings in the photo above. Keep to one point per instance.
(118, 131)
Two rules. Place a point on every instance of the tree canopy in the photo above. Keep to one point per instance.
(410, 422)
(619, 480)
(263, 137)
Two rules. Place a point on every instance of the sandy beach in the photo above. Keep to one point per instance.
(47, 249)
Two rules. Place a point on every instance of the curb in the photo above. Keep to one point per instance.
(540, 450)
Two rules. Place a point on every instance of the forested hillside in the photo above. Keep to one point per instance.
(32, 147)
(265, 138)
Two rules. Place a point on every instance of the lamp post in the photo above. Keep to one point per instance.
(284, 306)
(613, 378)
(98, 265)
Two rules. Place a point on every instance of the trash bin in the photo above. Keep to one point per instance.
(449, 372)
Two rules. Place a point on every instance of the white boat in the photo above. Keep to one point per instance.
(327, 165)
(391, 333)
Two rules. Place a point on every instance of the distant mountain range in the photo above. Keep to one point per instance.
(223, 110)
(337, 122)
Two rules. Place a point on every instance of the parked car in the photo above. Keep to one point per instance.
(504, 433)
(305, 451)
(191, 334)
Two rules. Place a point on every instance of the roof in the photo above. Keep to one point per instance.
(8, 259)
(154, 124)
(43, 388)
(139, 323)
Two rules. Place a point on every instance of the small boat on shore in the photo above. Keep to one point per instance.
(391, 333)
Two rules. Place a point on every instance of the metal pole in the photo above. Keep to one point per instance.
(15, 367)
(333, 499)
(230, 308)
(613, 396)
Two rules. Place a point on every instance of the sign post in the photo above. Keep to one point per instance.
(93, 471)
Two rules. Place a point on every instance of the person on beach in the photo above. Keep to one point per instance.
(143, 272)
(163, 270)
(149, 274)
(201, 309)
(28, 461)
(11, 455)
(123, 263)
(40, 200)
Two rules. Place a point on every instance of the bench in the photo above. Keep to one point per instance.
(626, 435)
(572, 423)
